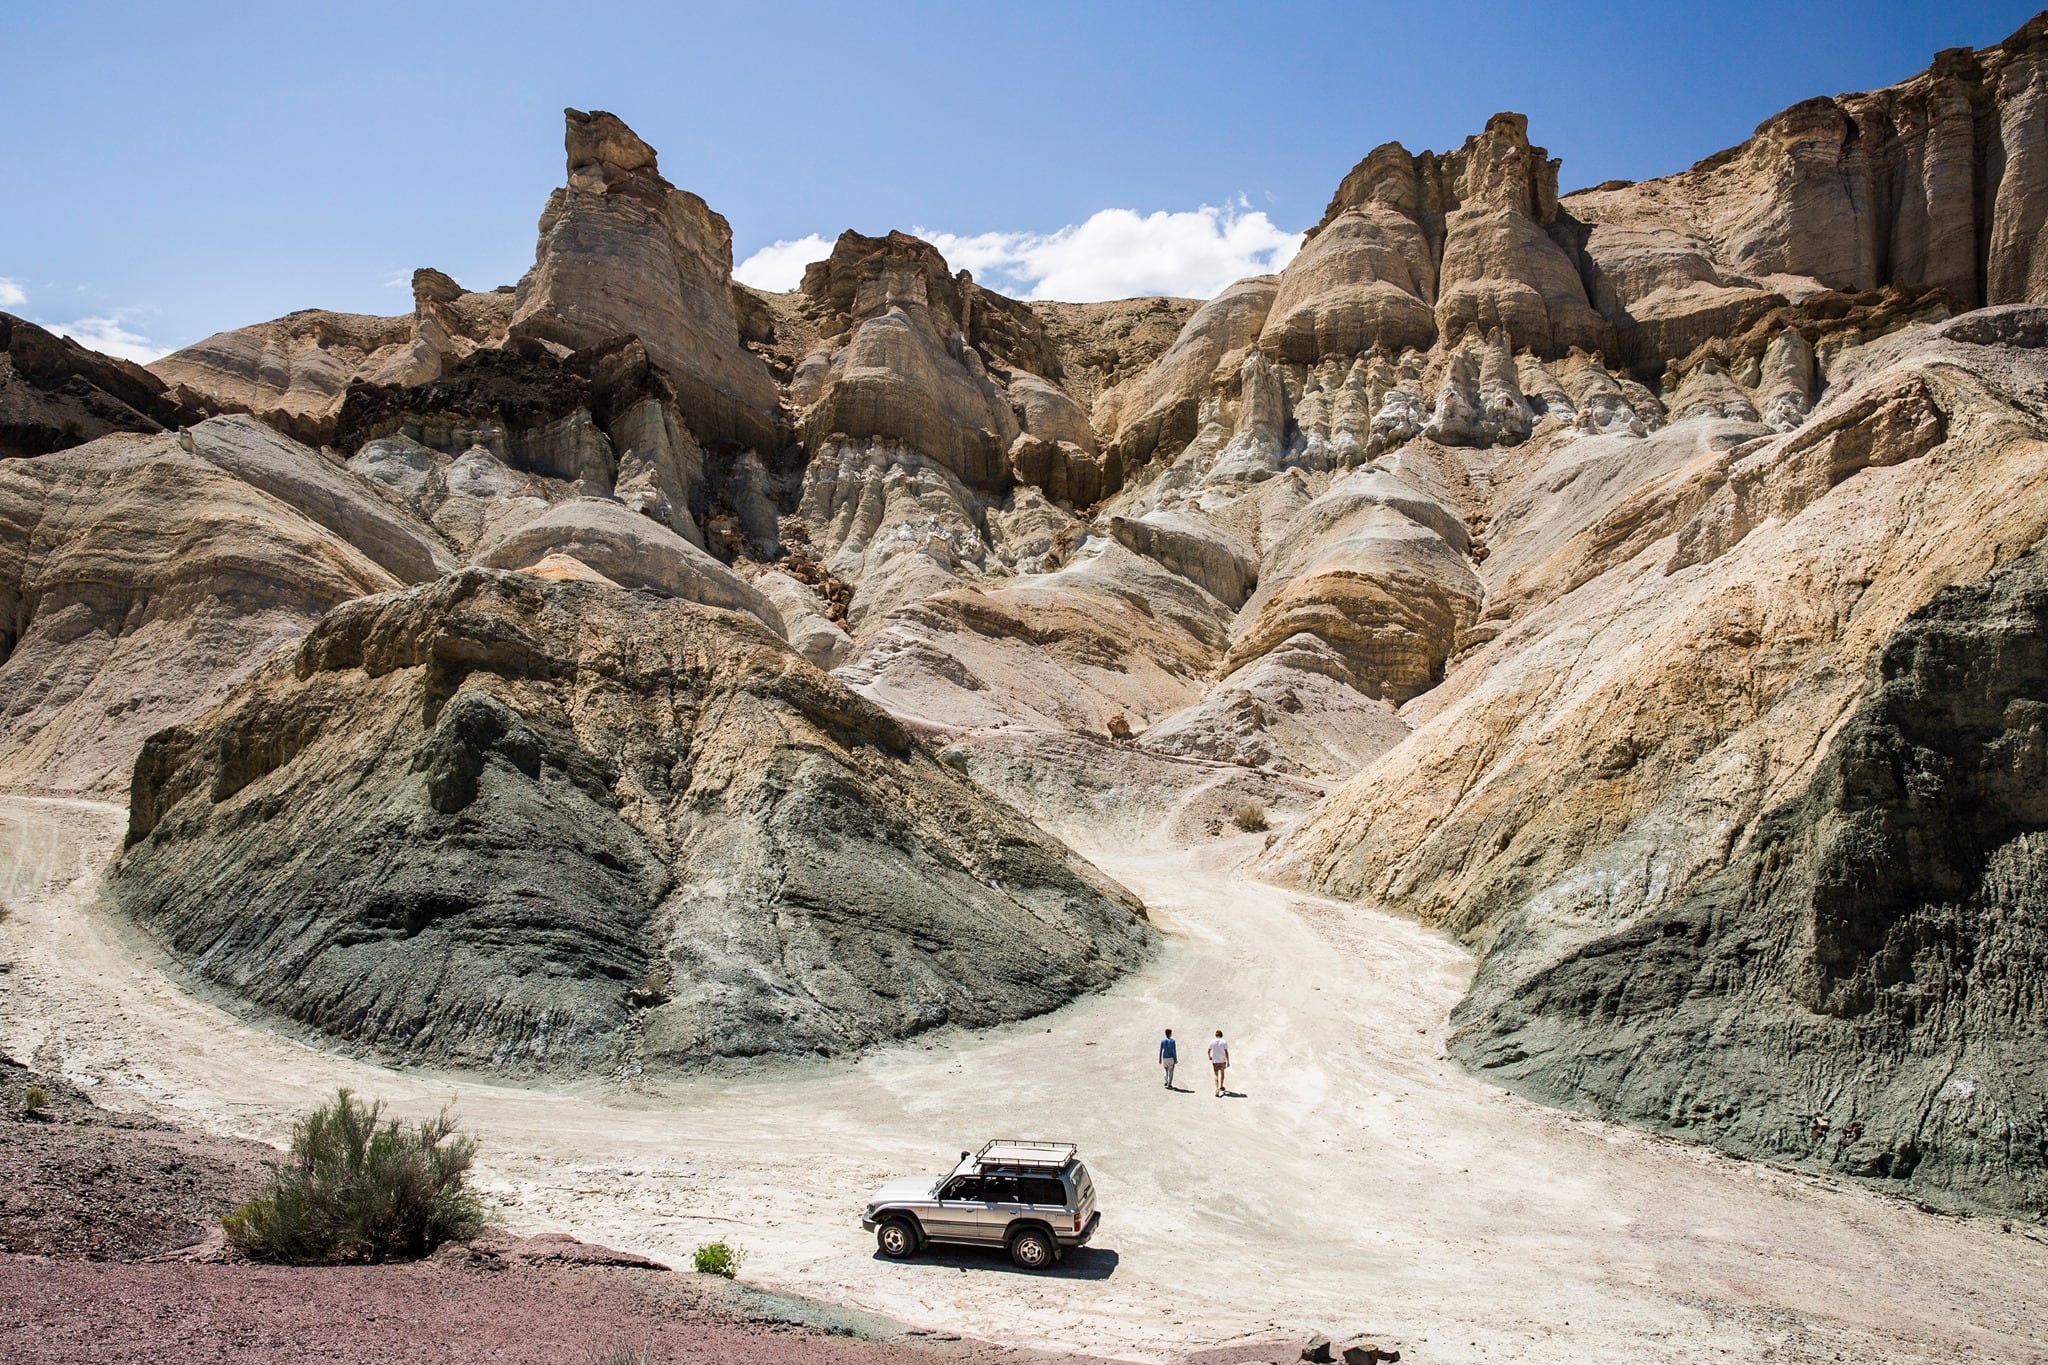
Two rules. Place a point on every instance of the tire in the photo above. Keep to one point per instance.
(897, 1239)
(1032, 1249)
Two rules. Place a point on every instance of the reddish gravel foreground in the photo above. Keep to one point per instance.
(88, 1198)
(88, 1313)
(80, 1183)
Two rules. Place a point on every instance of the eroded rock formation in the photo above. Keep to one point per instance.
(624, 253)
(550, 826)
(1616, 579)
(55, 394)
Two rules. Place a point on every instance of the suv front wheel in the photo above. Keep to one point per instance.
(896, 1239)
(1032, 1249)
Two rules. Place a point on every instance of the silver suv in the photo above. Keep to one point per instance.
(1035, 1198)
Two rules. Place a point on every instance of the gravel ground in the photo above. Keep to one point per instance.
(83, 1313)
(109, 1253)
(1355, 1182)
(80, 1183)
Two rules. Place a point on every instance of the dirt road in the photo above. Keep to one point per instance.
(1356, 1180)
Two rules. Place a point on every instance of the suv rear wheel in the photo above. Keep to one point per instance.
(1032, 1249)
(897, 1239)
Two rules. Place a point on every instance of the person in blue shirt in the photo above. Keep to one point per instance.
(1169, 1053)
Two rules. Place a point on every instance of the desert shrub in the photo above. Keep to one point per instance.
(34, 1097)
(361, 1188)
(1250, 817)
(718, 1258)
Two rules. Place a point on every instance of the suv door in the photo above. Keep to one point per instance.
(1002, 1204)
(957, 1214)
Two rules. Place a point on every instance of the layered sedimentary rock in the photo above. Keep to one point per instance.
(1859, 986)
(924, 423)
(537, 825)
(1934, 184)
(1605, 796)
(896, 364)
(295, 372)
(55, 393)
(1619, 579)
(141, 577)
(624, 253)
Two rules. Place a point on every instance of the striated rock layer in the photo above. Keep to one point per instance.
(1660, 795)
(1860, 984)
(534, 825)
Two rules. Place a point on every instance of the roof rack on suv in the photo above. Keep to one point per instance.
(1051, 1156)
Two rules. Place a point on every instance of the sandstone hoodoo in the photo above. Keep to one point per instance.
(627, 667)
(551, 826)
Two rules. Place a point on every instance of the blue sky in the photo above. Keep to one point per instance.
(172, 170)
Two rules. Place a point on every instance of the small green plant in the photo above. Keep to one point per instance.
(34, 1098)
(1250, 817)
(362, 1188)
(718, 1258)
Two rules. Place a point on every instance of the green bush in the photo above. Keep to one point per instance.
(357, 1189)
(34, 1097)
(1249, 817)
(718, 1258)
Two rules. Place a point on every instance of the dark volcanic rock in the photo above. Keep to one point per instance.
(1860, 987)
(55, 394)
(518, 387)
(540, 825)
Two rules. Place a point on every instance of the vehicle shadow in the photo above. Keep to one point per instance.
(1082, 1263)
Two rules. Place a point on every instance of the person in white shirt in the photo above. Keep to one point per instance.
(1219, 1059)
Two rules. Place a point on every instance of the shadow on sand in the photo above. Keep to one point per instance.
(1082, 1263)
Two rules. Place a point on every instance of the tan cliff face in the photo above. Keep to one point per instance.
(1557, 569)
(623, 252)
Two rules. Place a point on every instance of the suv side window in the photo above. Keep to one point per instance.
(1041, 1189)
(963, 1187)
(999, 1189)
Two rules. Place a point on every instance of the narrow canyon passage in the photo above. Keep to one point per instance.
(1357, 1180)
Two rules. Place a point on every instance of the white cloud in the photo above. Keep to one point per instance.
(1115, 254)
(12, 295)
(1120, 254)
(780, 267)
(109, 335)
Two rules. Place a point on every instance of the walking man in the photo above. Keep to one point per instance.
(1219, 1059)
(1169, 1054)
